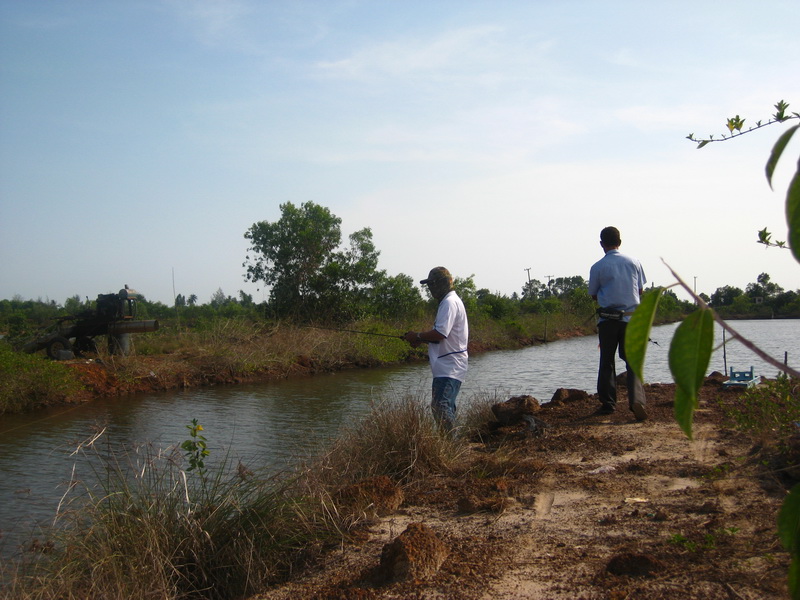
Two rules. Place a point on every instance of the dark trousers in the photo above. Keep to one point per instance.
(612, 337)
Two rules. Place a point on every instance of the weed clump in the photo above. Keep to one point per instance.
(31, 381)
(398, 439)
(768, 411)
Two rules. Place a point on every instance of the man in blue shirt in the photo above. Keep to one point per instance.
(616, 282)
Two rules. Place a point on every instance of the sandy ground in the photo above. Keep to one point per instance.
(590, 507)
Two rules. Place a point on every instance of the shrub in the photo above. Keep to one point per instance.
(30, 380)
(769, 411)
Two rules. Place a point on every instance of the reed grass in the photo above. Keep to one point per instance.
(151, 527)
(398, 439)
(148, 528)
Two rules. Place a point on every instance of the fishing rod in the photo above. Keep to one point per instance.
(400, 337)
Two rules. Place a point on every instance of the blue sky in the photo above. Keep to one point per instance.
(141, 139)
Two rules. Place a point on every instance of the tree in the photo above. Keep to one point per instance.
(74, 305)
(562, 286)
(724, 296)
(289, 254)
(218, 298)
(496, 306)
(533, 290)
(763, 288)
(395, 296)
(297, 257)
(467, 291)
(245, 299)
(342, 292)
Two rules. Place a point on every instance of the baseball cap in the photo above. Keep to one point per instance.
(436, 274)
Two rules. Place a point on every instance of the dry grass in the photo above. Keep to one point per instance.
(151, 527)
(398, 439)
(148, 528)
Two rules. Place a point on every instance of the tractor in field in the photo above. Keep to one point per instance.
(114, 316)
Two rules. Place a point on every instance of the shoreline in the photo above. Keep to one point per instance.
(164, 372)
(588, 507)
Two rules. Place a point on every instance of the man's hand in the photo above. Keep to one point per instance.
(412, 337)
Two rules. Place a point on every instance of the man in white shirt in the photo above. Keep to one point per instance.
(447, 346)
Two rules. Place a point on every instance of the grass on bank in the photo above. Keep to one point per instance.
(160, 523)
(28, 381)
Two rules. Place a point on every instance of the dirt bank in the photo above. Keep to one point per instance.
(588, 507)
(115, 376)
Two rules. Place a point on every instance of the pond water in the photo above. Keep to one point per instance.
(275, 423)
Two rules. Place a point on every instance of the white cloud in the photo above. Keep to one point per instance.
(481, 55)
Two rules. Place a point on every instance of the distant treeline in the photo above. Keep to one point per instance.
(401, 302)
(313, 278)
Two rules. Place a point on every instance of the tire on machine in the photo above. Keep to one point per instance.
(55, 345)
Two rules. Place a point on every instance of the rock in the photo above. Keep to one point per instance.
(716, 377)
(634, 565)
(514, 410)
(417, 553)
(568, 395)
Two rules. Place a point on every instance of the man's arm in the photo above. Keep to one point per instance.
(415, 338)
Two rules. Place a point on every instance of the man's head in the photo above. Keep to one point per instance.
(439, 282)
(609, 238)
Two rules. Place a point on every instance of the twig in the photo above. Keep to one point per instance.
(747, 343)
(72, 482)
(733, 593)
(89, 443)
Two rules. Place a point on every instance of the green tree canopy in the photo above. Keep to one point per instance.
(724, 296)
(297, 257)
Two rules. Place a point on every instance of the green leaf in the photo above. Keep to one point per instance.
(794, 579)
(777, 150)
(689, 355)
(637, 332)
(685, 406)
(789, 520)
(789, 534)
(793, 213)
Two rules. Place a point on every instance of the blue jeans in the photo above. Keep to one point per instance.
(445, 391)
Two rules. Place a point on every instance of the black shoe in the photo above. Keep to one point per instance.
(639, 411)
(603, 410)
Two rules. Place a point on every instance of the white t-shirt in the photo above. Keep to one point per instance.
(449, 357)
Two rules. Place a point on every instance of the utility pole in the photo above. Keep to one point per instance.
(529, 273)
(549, 289)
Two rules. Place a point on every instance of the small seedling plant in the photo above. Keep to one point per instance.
(196, 448)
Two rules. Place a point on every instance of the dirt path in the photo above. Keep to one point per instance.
(593, 508)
